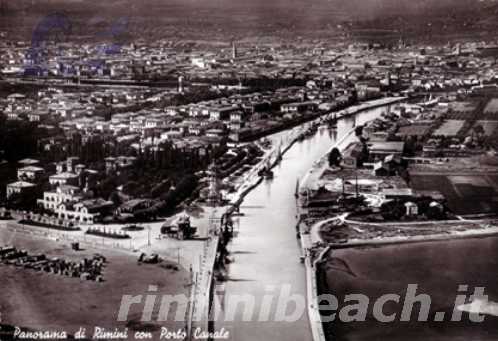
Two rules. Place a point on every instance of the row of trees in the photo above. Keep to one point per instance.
(18, 139)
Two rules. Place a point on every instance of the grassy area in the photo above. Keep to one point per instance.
(334, 233)
(449, 128)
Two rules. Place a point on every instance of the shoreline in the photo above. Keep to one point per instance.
(438, 237)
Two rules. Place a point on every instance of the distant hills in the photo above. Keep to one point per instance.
(259, 19)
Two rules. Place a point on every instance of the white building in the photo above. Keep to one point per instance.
(64, 178)
(64, 193)
(68, 203)
(19, 187)
(298, 107)
(31, 173)
(411, 209)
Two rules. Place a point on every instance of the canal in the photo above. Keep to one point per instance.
(265, 250)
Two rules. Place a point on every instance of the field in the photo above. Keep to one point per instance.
(469, 194)
(460, 115)
(42, 301)
(414, 130)
(462, 110)
(464, 107)
(449, 128)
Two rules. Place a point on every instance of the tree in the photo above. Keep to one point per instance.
(364, 155)
(335, 157)
(435, 213)
(115, 198)
(480, 134)
(392, 210)
(358, 131)
(479, 129)
(410, 146)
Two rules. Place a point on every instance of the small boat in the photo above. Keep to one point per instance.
(296, 192)
(333, 122)
(268, 174)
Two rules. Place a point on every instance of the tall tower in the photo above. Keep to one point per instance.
(180, 85)
(234, 50)
(214, 195)
(401, 43)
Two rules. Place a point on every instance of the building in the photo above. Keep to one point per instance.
(349, 161)
(389, 166)
(28, 162)
(379, 150)
(85, 212)
(381, 169)
(297, 107)
(120, 162)
(64, 178)
(411, 209)
(396, 193)
(30, 173)
(221, 113)
(20, 187)
(64, 193)
(352, 156)
(38, 116)
(68, 203)
(133, 206)
(71, 162)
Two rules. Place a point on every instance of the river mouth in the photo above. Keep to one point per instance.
(436, 268)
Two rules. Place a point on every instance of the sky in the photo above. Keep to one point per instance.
(241, 15)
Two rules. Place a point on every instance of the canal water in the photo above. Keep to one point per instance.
(265, 251)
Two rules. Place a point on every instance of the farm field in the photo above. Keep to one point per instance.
(469, 194)
(462, 110)
(414, 130)
(460, 116)
(449, 128)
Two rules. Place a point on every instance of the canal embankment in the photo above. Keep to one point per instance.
(250, 191)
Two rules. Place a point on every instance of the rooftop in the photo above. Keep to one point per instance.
(387, 146)
(21, 184)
